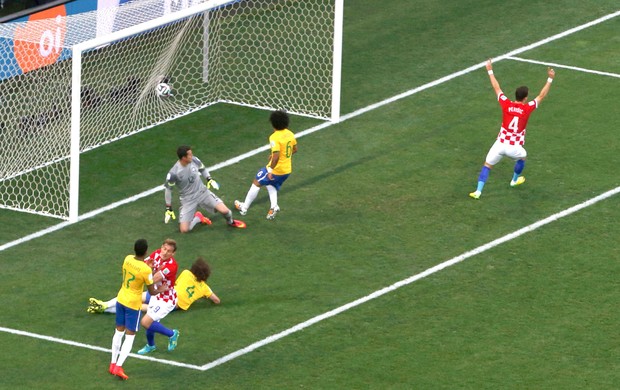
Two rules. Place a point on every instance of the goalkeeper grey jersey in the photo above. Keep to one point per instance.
(187, 179)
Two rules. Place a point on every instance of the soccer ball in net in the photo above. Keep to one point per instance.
(163, 90)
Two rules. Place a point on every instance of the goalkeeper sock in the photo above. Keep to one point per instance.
(194, 222)
(482, 178)
(229, 218)
(519, 165)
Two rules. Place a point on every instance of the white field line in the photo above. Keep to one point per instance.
(554, 65)
(343, 118)
(93, 347)
(376, 294)
(411, 279)
(350, 305)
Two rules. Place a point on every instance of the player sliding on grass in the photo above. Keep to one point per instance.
(511, 136)
(186, 175)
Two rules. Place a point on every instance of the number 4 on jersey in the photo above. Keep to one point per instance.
(514, 124)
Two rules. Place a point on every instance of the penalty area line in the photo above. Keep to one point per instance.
(92, 347)
(273, 338)
(376, 294)
(343, 118)
(554, 65)
(411, 279)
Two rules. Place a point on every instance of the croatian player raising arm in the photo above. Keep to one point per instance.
(543, 91)
(511, 137)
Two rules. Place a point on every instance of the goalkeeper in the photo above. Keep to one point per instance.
(186, 175)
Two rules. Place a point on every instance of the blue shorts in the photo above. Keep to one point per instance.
(262, 179)
(128, 318)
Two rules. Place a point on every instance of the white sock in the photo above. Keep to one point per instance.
(273, 196)
(110, 306)
(117, 340)
(125, 349)
(252, 194)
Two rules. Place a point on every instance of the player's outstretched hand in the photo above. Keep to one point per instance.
(169, 214)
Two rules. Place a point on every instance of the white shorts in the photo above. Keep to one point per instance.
(500, 150)
(158, 309)
(207, 200)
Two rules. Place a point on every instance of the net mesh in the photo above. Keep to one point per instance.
(269, 54)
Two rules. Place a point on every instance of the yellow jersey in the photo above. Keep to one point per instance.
(282, 141)
(189, 290)
(136, 275)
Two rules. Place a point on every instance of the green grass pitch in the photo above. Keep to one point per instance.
(373, 200)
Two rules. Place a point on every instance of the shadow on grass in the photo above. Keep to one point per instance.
(318, 178)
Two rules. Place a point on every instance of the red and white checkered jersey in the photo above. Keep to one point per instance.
(168, 268)
(514, 121)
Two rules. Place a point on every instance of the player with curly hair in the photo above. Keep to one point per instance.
(279, 167)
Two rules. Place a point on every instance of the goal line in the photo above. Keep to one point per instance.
(376, 294)
(343, 118)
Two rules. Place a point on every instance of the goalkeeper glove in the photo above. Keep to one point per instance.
(212, 184)
(169, 214)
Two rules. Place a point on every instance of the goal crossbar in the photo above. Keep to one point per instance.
(213, 51)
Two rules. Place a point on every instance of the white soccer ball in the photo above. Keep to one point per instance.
(163, 90)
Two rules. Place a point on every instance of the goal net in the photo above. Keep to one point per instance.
(68, 89)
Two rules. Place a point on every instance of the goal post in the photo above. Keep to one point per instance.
(337, 59)
(266, 54)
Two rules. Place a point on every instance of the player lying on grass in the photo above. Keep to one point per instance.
(190, 286)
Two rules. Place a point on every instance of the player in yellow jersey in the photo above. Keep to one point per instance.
(136, 275)
(283, 146)
(191, 285)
